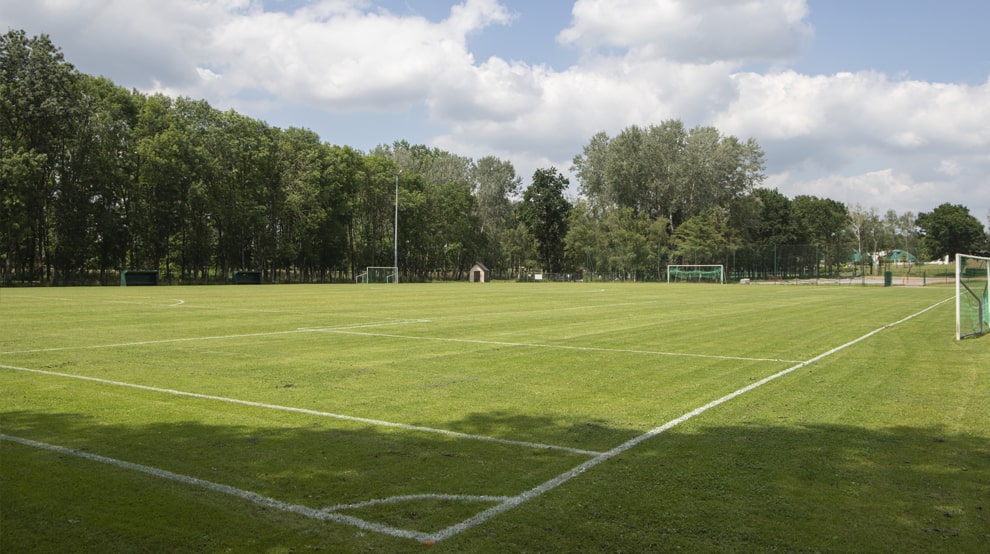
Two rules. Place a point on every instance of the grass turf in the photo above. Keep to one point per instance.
(883, 445)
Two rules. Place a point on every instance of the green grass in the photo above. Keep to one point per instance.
(881, 446)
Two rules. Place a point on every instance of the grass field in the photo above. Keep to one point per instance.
(491, 418)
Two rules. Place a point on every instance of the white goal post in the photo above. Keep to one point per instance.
(694, 273)
(972, 311)
(376, 274)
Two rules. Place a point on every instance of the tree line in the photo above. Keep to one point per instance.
(96, 179)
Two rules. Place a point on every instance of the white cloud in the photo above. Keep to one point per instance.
(692, 31)
(883, 189)
(861, 137)
(337, 57)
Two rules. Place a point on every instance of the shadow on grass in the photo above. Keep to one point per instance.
(759, 488)
(591, 435)
(357, 469)
(743, 488)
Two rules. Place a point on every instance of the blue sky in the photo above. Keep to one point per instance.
(882, 104)
(940, 41)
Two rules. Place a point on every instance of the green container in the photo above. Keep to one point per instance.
(246, 278)
(888, 278)
(131, 278)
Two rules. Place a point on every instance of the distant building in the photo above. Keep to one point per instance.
(478, 273)
(901, 256)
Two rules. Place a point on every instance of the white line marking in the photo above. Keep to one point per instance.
(341, 331)
(325, 515)
(216, 337)
(578, 470)
(362, 325)
(148, 342)
(376, 422)
(414, 497)
(345, 330)
(506, 503)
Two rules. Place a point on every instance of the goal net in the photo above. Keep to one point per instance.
(972, 313)
(695, 274)
(379, 275)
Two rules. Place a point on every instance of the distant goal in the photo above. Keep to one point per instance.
(972, 313)
(696, 274)
(379, 275)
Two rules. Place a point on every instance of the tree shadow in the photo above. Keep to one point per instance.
(760, 488)
(352, 468)
(753, 487)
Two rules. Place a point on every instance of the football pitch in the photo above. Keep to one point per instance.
(500, 417)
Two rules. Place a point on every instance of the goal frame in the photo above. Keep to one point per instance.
(962, 288)
(721, 270)
(389, 279)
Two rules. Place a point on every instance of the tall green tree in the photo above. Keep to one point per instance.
(629, 243)
(374, 207)
(867, 227)
(454, 229)
(704, 238)
(668, 171)
(544, 212)
(949, 229)
(39, 103)
(496, 185)
(433, 164)
(645, 169)
(823, 222)
(175, 171)
(90, 222)
(585, 245)
(341, 176)
(240, 154)
(589, 167)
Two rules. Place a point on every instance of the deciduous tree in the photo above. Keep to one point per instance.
(545, 212)
(949, 230)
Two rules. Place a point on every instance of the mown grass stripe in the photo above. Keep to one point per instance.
(555, 482)
(556, 346)
(376, 422)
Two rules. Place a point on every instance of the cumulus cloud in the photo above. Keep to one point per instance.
(692, 31)
(332, 54)
(881, 142)
(338, 56)
(863, 136)
(866, 106)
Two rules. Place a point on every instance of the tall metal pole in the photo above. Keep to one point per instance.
(395, 239)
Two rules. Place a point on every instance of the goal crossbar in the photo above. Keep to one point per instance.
(696, 272)
(379, 274)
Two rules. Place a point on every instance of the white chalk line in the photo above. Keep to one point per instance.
(578, 470)
(414, 497)
(505, 503)
(329, 514)
(347, 330)
(216, 337)
(375, 422)
(341, 331)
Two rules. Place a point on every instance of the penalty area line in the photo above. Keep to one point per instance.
(546, 486)
(346, 331)
(330, 415)
(261, 500)
(216, 337)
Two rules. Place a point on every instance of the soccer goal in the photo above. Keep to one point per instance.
(379, 275)
(695, 274)
(972, 313)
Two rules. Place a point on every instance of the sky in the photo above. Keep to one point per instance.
(880, 104)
